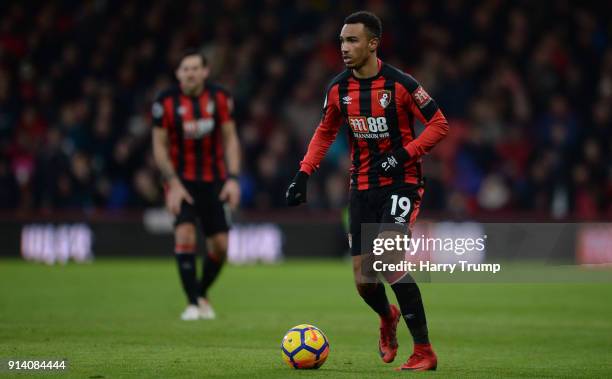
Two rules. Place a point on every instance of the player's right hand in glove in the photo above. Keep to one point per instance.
(296, 193)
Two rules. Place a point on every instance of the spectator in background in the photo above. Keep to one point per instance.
(529, 102)
(9, 190)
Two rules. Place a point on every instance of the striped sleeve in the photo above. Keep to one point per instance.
(158, 114)
(225, 107)
(424, 107)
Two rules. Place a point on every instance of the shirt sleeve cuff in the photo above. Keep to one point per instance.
(307, 168)
(412, 150)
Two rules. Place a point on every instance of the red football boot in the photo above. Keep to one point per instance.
(422, 359)
(387, 346)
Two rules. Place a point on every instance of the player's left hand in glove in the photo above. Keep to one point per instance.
(296, 193)
(392, 164)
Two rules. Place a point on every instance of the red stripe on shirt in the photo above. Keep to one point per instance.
(364, 151)
(189, 171)
(207, 159)
(384, 144)
(167, 122)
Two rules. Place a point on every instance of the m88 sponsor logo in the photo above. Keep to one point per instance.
(369, 127)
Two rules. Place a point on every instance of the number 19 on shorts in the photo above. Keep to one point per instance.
(403, 203)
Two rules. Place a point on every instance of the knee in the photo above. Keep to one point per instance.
(185, 234)
(217, 247)
(408, 291)
(366, 289)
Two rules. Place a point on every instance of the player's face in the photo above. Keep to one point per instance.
(191, 73)
(356, 45)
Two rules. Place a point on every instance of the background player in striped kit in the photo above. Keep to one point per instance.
(379, 104)
(193, 137)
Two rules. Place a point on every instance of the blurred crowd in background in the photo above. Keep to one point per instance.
(526, 85)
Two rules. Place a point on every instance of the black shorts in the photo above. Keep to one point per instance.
(213, 214)
(396, 205)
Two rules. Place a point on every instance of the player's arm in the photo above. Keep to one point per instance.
(419, 103)
(231, 189)
(230, 192)
(324, 136)
(176, 192)
(436, 125)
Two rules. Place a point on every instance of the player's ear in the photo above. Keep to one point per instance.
(373, 44)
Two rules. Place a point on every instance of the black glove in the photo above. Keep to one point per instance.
(296, 193)
(392, 164)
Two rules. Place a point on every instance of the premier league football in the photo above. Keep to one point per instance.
(338, 189)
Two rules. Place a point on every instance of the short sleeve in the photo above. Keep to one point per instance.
(225, 107)
(158, 112)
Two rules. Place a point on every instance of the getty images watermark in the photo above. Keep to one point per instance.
(405, 250)
(475, 252)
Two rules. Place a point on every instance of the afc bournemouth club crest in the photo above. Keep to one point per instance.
(384, 98)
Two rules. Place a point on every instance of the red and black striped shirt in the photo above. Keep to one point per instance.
(379, 113)
(194, 130)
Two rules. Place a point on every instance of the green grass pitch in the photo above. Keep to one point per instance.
(119, 318)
